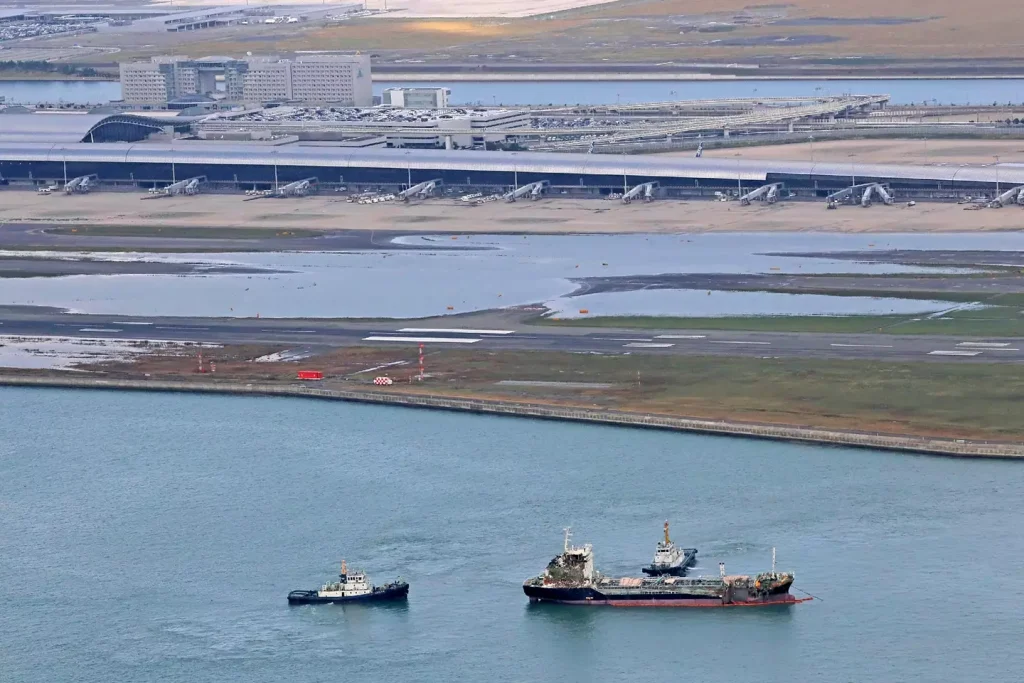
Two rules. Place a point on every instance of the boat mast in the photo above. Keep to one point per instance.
(773, 560)
(568, 535)
(344, 570)
(667, 541)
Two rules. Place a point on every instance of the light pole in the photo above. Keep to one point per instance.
(274, 154)
(997, 175)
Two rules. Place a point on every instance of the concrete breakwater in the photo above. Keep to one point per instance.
(912, 444)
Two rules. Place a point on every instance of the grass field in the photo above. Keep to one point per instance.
(960, 400)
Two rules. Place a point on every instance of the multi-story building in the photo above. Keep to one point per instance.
(167, 78)
(318, 79)
(268, 80)
(332, 79)
(416, 98)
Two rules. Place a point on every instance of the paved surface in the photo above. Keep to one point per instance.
(27, 321)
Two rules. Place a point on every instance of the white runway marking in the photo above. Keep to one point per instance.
(863, 346)
(98, 329)
(984, 345)
(715, 341)
(648, 345)
(423, 340)
(680, 336)
(628, 339)
(126, 322)
(452, 330)
(953, 353)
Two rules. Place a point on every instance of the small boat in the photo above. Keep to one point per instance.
(669, 559)
(351, 587)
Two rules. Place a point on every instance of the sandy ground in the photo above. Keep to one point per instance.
(435, 8)
(883, 151)
(552, 215)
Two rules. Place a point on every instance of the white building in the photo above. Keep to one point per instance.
(333, 79)
(338, 79)
(416, 98)
(268, 81)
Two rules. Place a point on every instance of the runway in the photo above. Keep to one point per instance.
(324, 334)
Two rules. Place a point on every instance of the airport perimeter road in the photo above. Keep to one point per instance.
(321, 334)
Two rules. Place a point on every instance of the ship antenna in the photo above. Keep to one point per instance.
(667, 541)
(773, 560)
(721, 569)
(343, 569)
(568, 535)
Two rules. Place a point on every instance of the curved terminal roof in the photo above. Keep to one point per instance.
(66, 127)
(636, 167)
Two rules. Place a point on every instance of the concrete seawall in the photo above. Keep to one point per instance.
(934, 446)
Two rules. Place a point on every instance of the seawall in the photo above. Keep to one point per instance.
(910, 444)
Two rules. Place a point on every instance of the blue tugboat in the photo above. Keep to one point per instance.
(351, 587)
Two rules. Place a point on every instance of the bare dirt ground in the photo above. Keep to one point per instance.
(981, 152)
(552, 215)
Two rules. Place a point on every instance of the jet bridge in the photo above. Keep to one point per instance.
(420, 191)
(534, 190)
(645, 190)
(768, 193)
(300, 188)
(863, 190)
(81, 185)
(1014, 194)
(189, 186)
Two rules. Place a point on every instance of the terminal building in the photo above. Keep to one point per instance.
(342, 79)
(416, 98)
(235, 167)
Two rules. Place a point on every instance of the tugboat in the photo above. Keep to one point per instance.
(670, 559)
(352, 587)
(570, 579)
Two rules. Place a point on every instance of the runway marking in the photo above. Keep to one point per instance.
(1003, 349)
(183, 329)
(715, 341)
(625, 339)
(452, 330)
(863, 346)
(648, 345)
(953, 353)
(680, 336)
(127, 322)
(985, 345)
(98, 329)
(302, 331)
(423, 340)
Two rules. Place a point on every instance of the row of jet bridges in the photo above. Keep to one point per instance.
(864, 194)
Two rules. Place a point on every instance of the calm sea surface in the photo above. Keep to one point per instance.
(151, 537)
(903, 91)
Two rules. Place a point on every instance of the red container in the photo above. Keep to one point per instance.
(310, 374)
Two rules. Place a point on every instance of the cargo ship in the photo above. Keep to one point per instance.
(669, 559)
(570, 578)
(351, 587)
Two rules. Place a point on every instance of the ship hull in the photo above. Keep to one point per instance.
(592, 596)
(389, 593)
